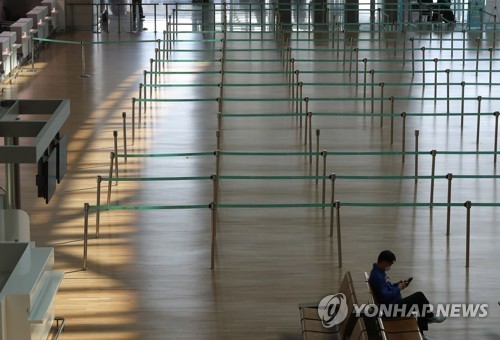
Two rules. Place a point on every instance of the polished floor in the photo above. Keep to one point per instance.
(149, 273)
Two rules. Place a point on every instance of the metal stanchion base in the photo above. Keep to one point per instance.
(85, 76)
(30, 69)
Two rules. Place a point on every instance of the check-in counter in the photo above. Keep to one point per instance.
(6, 49)
(13, 48)
(28, 286)
(52, 14)
(14, 225)
(32, 31)
(22, 28)
(39, 14)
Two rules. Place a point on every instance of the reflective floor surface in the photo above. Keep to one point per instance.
(149, 273)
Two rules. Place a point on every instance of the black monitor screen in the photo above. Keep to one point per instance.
(62, 157)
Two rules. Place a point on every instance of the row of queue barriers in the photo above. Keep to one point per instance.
(335, 204)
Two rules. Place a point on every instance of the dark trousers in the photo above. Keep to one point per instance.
(418, 299)
(135, 4)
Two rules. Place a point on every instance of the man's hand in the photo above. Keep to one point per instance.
(402, 285)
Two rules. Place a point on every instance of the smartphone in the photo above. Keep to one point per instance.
(408, 280)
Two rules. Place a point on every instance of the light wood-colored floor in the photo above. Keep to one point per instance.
(148, 274)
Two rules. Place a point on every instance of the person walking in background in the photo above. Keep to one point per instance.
(135, 4)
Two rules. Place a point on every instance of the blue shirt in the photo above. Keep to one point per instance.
(384, 291)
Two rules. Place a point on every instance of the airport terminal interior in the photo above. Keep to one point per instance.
(239, 158)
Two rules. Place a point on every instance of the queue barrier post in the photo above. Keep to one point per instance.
(332, 207)
(468, 206)
(433, 170)
(449, 177)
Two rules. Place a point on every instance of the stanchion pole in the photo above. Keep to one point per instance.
(350, 59)
(449, 177)
(85, 233)
(309, 22)
(151, 61)
(403, 142)
(263, 21)
(295, 91)
(222, 68)
(298, 107)
(404, 45)
(478, 42)
(219, 121)
(164, 43)
(84, 74)
(306, 100)
(324, 153)
(333, 31)
(494, 31)
(332, 179)
(423, 64)
(219, 106)
(364, 77)
(115, 138)
(156, 68)
(213, 228)
(31, 48)
(379, 27)
(115, 142)
(412, 55)
(215, 185)
(339, 239)
(124, 118)
(143, 85)
(309, 116)
(217, 135)
(98, 211)
(467, 205)
(463, 104)
(441, 33)
(133, 120)
(372, 72)
(176, 19)
(496, 113)
(381, 104)
(435, 78)
(112, 159)
(392, 119)
(338, 39)
(463, 47)
(286, 63)
(217, 161)
(433, 170)
(491, 62)
(447, 91)
(357, 66)
(171, 33)
(221, 90)
(478, 118)
(317, 154)
(250, 21)
(417, 133)
(140, 104)
(306, 128)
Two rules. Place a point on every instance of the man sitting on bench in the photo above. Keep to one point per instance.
(387, 293)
